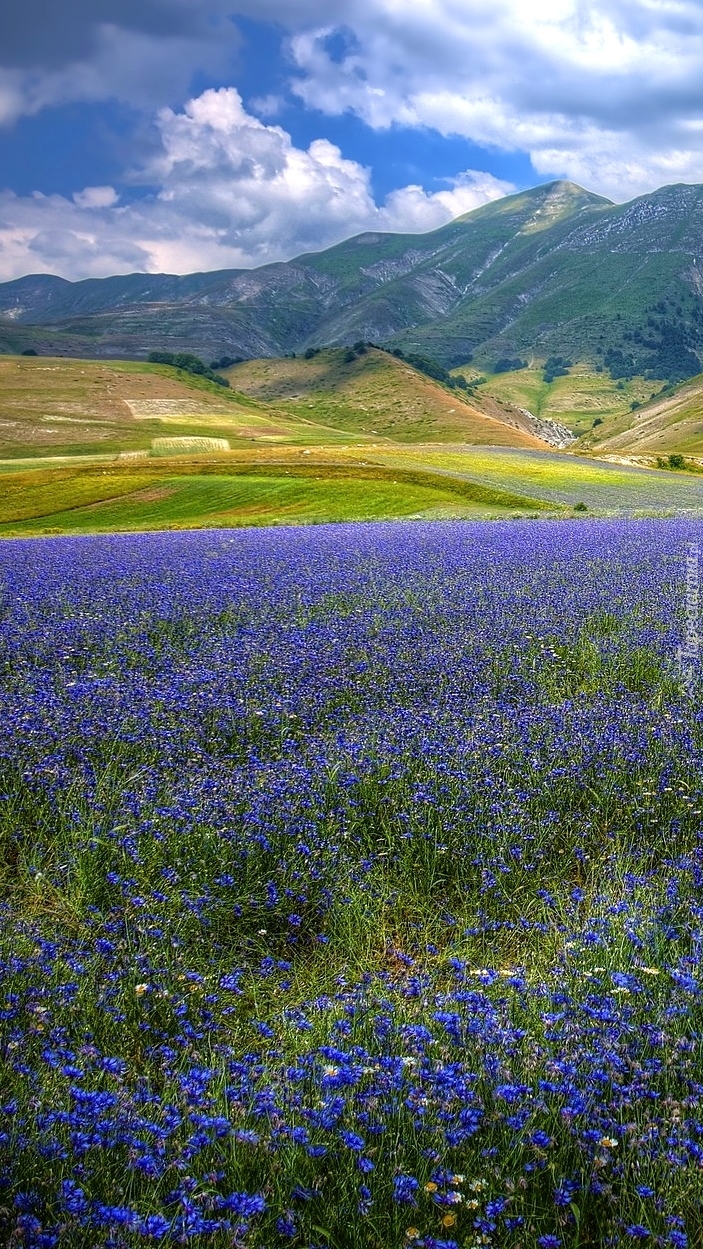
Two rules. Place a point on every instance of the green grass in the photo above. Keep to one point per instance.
(330, 484)
(576, 400)
(101, 499)
(558, 478)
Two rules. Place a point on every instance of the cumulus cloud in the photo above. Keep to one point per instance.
(610, 94)
(96, 197)
(231, 191)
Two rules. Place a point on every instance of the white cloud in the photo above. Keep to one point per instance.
(232, 191)
(606, 93)
(96, 197)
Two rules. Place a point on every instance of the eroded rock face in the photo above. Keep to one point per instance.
(551, 432)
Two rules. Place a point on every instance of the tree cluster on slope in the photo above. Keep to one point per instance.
(667, 345)
(188, 364)
(431, 368)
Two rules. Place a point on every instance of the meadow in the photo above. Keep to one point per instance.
(576, 400)
(212, 491)
(351, 889)
(289, 485)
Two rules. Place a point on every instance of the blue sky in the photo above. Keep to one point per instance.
(167, 135)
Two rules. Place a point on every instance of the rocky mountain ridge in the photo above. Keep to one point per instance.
(551, 269)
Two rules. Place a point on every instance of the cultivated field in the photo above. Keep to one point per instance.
(67, 407)
(216, 491)
(351, 889)
(284, 485)
(89, 446)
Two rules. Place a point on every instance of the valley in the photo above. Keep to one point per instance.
(541, 352)
(94, 446)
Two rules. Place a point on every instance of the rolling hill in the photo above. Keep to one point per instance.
(379, 395)
(551, 270)
(63, 407)
(670, 422)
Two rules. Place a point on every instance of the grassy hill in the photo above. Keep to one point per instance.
(51, 406)
(378, 395)
(670, 422)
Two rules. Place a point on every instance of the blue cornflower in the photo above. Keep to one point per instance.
(565, 1192)
(73, 1198)
(230, 982)
(365, 1199)
(286, 1225)
(155, 1226)
(404, 1190)
(637, 1231)
(243, 1204)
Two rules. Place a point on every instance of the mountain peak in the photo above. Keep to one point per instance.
(551, 270)
(543, 205)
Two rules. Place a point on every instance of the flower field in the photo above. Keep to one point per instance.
(351, 889)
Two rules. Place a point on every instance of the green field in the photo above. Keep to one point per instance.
(203, 494)
(332, 484)
(558, 478)
(95, 447)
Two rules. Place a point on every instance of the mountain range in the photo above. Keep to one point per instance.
(554, 271)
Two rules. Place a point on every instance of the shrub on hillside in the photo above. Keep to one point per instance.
(556, 366)
(187, 363)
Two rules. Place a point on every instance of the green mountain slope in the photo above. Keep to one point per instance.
(550, 270)
(670, 423)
